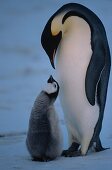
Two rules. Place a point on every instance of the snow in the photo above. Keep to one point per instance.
(13, 155)
(24, 69)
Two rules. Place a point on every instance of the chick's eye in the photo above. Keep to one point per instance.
(55, 85)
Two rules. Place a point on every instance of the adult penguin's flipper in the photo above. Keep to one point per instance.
(94, 71)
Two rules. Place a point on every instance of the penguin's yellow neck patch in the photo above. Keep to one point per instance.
(56, 25)
(70, 24)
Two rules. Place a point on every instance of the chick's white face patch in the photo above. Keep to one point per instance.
(51, 88)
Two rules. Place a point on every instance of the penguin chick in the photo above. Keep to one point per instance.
(43, 137)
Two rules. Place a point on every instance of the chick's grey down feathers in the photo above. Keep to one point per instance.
(43, 138)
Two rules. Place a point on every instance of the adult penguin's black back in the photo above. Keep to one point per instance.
(54, 35)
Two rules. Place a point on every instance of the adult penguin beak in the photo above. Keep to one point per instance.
(50, 42)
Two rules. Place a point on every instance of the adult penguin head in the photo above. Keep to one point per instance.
(54, 29)
(51, 37)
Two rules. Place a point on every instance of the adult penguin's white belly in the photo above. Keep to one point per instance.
(73, 57)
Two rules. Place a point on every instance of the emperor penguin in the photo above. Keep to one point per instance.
(76, 37)
(44, 140)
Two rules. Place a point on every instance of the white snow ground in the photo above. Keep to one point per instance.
(14, 156)
(24, 69)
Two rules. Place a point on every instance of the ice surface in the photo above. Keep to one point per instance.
(24, 69)
(13, 155)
